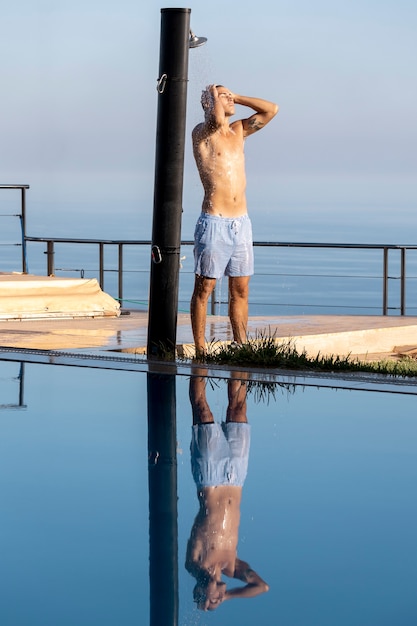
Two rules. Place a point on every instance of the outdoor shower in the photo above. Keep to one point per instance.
(195, 41)
(176, 39)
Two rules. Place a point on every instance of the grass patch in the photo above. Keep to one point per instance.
(267, 352)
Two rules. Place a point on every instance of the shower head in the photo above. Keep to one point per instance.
(194, 41)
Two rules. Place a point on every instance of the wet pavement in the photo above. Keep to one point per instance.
(365, 336)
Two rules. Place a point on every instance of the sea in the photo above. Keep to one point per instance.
(288, 280)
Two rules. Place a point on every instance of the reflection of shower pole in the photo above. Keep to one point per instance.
(163, 516)
(169, 171)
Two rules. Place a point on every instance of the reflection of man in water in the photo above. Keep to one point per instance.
(219, 458)
(223, 233)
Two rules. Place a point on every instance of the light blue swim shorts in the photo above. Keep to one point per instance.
(220, 453)
(223, 246)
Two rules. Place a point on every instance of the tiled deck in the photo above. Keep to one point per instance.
(374, 336)
(51, 313)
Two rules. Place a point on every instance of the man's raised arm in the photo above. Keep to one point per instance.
(254, 583)
(265, 112)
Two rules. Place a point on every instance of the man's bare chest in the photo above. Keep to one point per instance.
(225, 145)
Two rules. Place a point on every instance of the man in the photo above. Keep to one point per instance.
(219, 458)
(223, 234)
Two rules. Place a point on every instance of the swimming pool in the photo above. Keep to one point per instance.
(98, 501)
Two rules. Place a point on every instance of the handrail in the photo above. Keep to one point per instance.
(270, 244)
(51, 241)
(120, 243)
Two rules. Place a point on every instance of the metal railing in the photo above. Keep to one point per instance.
(100, 243)
(385, 248)
(121, 244)
(22, 218)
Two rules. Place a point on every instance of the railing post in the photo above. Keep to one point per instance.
(101, 265)
(213, 302)
(403, 273)
(120, 273)
(50, 258)
(385, 284)
(23, 218)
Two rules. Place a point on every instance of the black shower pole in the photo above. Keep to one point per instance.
(168, 188)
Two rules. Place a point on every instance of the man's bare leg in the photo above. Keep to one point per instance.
(237, 391)
(238, 306)
(201, 411)
(203, 288)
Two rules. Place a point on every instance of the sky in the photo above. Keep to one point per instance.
(78, 109)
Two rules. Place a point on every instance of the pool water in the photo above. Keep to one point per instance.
(97, 508)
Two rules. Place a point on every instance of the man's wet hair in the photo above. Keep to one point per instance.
(204, 97)
(200, 589)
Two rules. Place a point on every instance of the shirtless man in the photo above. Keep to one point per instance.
(223, 234)
(219, 454)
